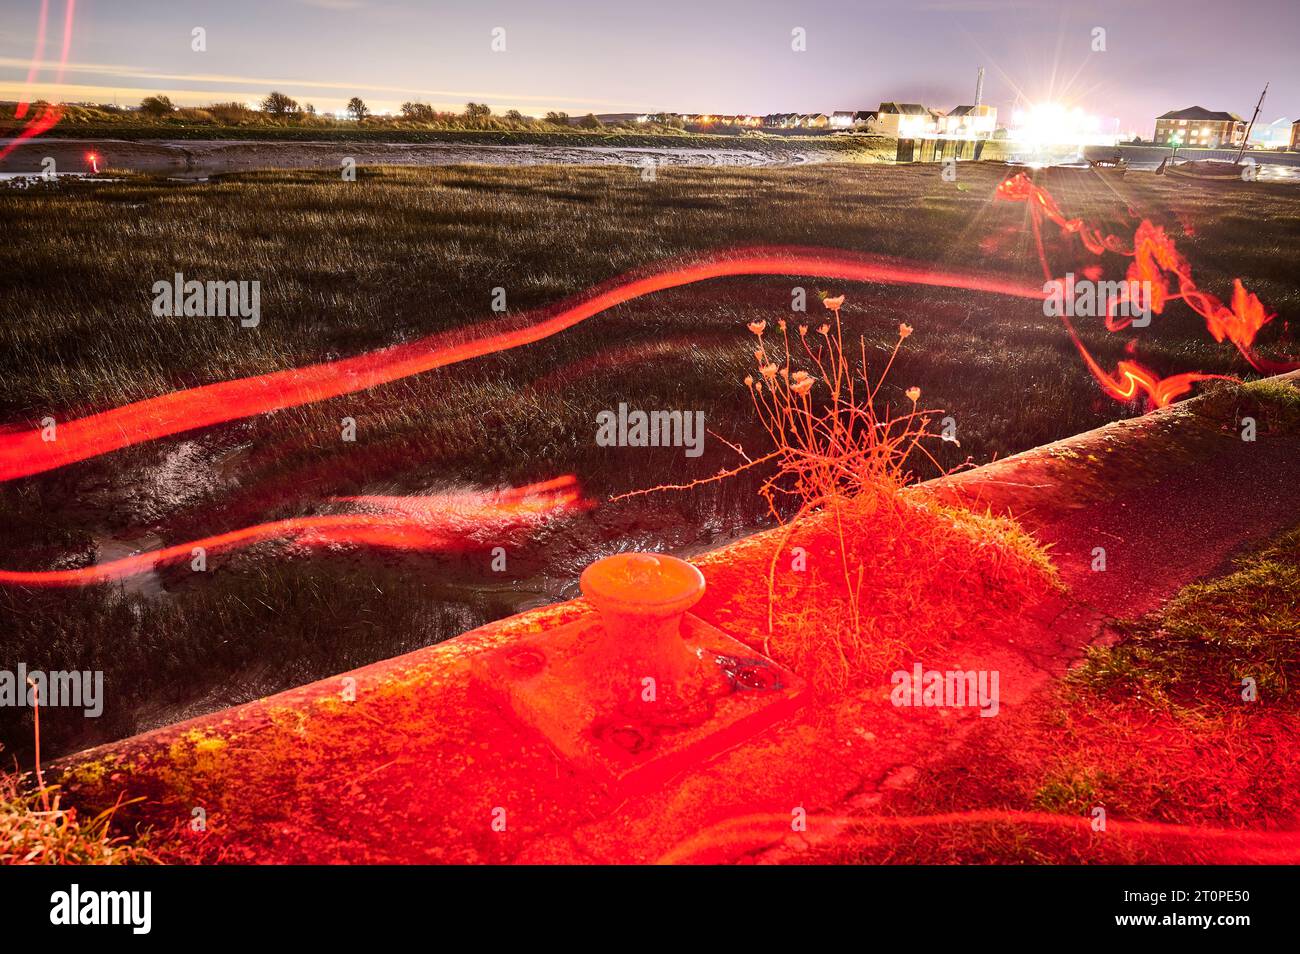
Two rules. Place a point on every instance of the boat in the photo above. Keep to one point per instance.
(1215, 170)
(1109, 167)
(1210, 170)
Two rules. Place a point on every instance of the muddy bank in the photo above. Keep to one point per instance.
(204, 158)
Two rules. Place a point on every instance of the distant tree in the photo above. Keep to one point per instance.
(230, 112)
(309, 109)
(420, 112)
(559, 119)
(515, 116)
(278, 104)
(156, 106)
(357, 108)
(590, 121)
(477, 111)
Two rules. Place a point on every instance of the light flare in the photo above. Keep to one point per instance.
(38, 54)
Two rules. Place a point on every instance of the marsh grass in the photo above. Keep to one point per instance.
(919, 576)
(865, 563)
(36, 832)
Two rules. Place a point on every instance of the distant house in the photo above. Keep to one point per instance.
(970, 122)
(816, 121)
(1295, 136)
(851, 118)
(1198, 126)
(903, 120)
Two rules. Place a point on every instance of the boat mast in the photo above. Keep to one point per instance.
(1245, 139)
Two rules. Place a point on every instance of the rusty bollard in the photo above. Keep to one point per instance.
(641, 599)
(643, 689)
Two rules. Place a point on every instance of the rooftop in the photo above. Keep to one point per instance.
(909, 109)
(1201, 113)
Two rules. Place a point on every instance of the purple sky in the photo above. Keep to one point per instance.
(700, 56)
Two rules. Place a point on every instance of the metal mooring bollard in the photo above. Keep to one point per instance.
(641, 598)
(646, 689)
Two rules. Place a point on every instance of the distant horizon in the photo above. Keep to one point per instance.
(723, 57)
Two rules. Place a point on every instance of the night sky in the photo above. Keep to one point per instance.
(725, 57)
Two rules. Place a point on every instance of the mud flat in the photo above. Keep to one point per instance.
(198, 159)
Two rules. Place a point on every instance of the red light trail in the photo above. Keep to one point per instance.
(1154, 256)
(42, 122)
(440, 522)
(25, 452)
(49, 116)
(69, 14)
(38, 54)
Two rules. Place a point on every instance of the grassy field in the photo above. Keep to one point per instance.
(347, 267)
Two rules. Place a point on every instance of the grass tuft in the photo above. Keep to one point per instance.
(1210, 637)
(37, 830)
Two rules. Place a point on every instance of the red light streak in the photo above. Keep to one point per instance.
(1154, 256)
(24, 452)
(438, 522)
(37, 55)
(69, 15)
(50, 115)
(40, 123)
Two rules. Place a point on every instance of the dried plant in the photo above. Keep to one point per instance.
(834, 449)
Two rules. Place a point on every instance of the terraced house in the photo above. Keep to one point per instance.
(1198, 126)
